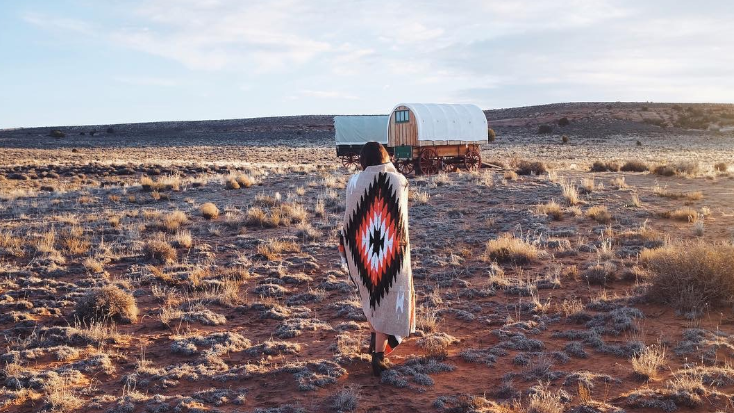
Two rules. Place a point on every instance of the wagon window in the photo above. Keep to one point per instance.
(402, 116)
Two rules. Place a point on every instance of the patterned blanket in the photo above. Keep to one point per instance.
(375, 241)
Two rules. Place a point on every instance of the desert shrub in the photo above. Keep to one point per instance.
(691, 276)
(551, 209)
(346, 399)
(491, 135)
(681, 214)
(599, 214)
(245, 181)
(183, 239)
(56, 133)
(92, 265)
(564, 139)
(663, 170)
(634, 166)
(609, 166)
(721, 167)
(510, 175)
(159, 250)
(691, 196)
(507, 248)
(107, 303)
(678, 168)
(647, 362)
(570, 193)
(231, 183)
(110, 130)
(531, 167)
(563, 121)
(545, 129)
(209, 210)
(600, 274)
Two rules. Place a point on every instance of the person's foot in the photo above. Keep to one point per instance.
(379, 364)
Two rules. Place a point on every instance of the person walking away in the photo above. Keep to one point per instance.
(375, 250)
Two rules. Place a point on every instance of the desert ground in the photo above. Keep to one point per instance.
(193, 267)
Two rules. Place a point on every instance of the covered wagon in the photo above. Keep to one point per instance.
(420, 137)
(352, 132)
(429, 137)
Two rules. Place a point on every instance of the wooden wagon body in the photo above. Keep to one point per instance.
(427, 138)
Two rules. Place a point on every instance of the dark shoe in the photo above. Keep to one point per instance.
(379, 364)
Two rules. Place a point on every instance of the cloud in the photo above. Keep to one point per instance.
(521, 51)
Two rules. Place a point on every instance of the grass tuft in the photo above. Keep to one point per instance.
(106, 304)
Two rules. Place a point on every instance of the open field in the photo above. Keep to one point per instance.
(191, 267)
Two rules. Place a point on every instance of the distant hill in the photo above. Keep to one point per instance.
(582, 118)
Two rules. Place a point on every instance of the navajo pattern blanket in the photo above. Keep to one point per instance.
(375, 242)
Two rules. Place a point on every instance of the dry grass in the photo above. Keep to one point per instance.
(245, 181)
(93, 266)
(545, 401)
(721, 167)
(604, 166)
(106, 304)
(691, 196)
(173, 220)
(634, 166)
(570, 193)
(619, 183)
(272, 249)
(635, 201)
(231, 183)
(426, 321)
(158, 249)
(685, 214)
(691, 276)
(588, 184)
(572, 306)
(507, 248)
(281, 215)
(524, 167)
(420, 197)
(690, 168)
(209, 211)
(551, 209)
(599, 214)
(510, 176)
(649, 361)
(74, 242)
(183, 239)
(60, 396)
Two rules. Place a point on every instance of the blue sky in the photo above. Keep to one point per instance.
(88, 62)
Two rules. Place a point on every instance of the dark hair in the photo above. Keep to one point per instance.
(373, 153)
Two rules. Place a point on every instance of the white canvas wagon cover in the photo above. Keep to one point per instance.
(445, 122)
(358, 130)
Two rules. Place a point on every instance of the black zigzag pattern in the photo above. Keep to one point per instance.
(379, 188)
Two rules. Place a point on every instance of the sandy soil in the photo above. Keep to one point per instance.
(230, 323)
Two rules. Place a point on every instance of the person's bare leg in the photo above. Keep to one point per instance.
(378, 356)
(380, 342)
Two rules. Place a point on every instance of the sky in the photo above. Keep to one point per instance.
(70, 62)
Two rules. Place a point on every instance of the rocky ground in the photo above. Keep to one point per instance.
(196, 270)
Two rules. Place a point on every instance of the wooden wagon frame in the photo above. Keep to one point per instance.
(426, 138)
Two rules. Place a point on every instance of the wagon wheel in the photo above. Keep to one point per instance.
(350, 159)
(472, 159)
(428, 161)
(405, 167)
(448, 165)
